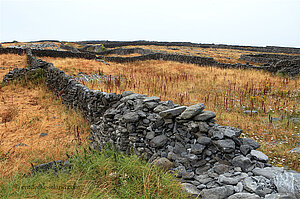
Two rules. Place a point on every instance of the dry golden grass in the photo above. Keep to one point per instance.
(38, 112)
(230, 56)
(9, 62)
(228, 92)
(26, 111)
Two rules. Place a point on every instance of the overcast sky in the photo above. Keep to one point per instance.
(241, 22)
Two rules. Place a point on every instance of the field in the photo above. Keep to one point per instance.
(265, 106)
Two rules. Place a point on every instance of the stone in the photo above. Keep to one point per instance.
(239, 187)
(218, 192)
(221, 168)
(188, 175)
(234, 180)
(226, 145)
(150, 135)
(197, 149)
(204, 116)
(279, 196)
(21, 144)
(243, 162)
(258, 155)
(250, 112)
(171, 113)
(295, 150)
(190, 189)
(151, 99)
(131, 117)
(244, 196)
(203, 179)
(217, 135)
(179, 148)
(191, 111)
(250, 142)
(229, 133)
(160, 108)
(288, 182)
(203, 140)
(163, 163)
(250, 185)
(245, 149)
(268, 172)
(201, 170)
(131, 96)
(159, 141)
(43, 134)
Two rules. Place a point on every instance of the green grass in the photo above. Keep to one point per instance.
(108, 174)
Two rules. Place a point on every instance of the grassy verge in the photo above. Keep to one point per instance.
(97, 175)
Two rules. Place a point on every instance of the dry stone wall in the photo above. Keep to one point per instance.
(211, 160)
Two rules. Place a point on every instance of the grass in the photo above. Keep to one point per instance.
(228, 92)
(97, 175)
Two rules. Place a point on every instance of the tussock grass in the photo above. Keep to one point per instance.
(109, 174)
(228, 92)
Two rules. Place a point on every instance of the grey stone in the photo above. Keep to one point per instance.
(229, 133)
(188, 175)
(245, 149)
(288, 182)
(231, 180)
(239, 187)
(243, 162)
(279, 196)
(250, 142)
(131, 117)
(258, 155)
(204, 140)
(250, 185)
(191, 111)
(43, 134)
(268, 172)
(150, 135)
(204, 116)
(163, 163)
(160, 108)
(203, 179)
(244, 196)
(151, 99)
(221, 168)
(197, 149)
(159, 141)
(295, 150)
(250, 112)
(218, 192)
(171, 113)
(226, 145)
(190, 189)
(133, 96)
(217, 135)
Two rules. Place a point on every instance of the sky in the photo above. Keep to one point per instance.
(236, 22)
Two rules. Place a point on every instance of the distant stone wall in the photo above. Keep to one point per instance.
(212, 161)
(267, 58)
(272, 49)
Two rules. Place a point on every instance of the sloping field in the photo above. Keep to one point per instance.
(266, 107)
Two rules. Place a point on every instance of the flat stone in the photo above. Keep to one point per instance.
(221, 168)
(171, 113)
(197, 149)
(159, 141)
(295, 150)
(288, 182)
(191, 111)
(268, 172)
(203, 179)
(232, 180)
(163, 163)
(188, 175)
(245, 149)
(131, 117)
(160, 108)
(226, 145)
(133, 96)
(279, 196)
(43, 134)
(249, 112)
(151, 99)
(218, 192)
(203, 140)
(204, 116)
(250, 185)
(191, 189)
(260, 156)
(250, 142)
(244, 196)
(243, 162)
